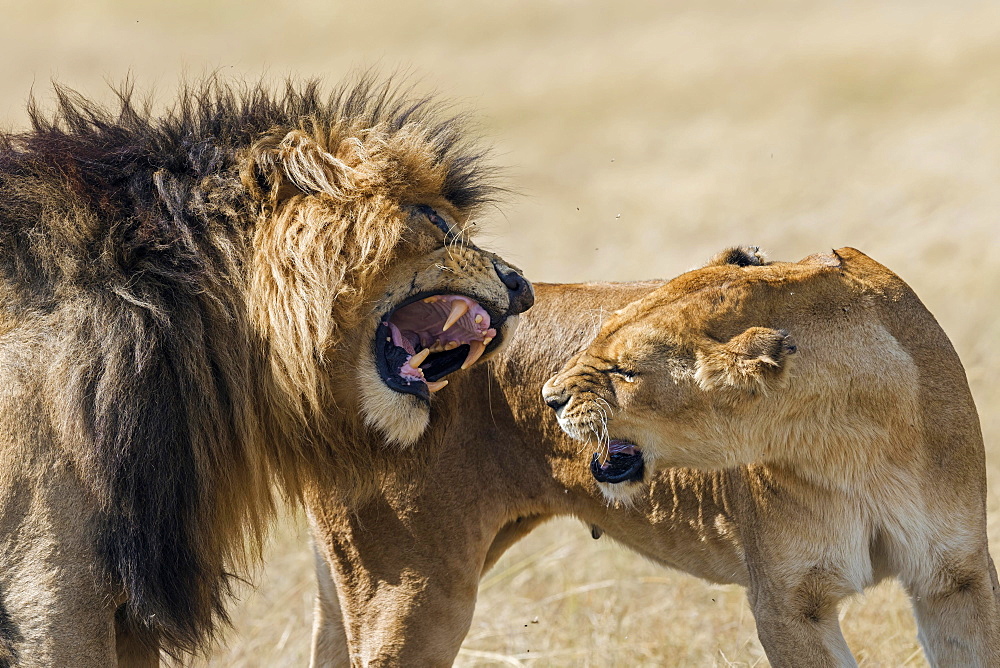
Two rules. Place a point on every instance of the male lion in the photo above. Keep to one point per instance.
(407, 561)
(842, 422)
(197, 304)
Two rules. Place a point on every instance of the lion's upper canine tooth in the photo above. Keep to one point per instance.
(476, 349)
(419, 358)
(436, 385)
(458, 309)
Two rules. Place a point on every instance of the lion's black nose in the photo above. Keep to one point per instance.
(519, 290)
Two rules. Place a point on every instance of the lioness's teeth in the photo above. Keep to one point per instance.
(419, 358)
(476, 349)
(487, 340)
(429, 300)
(479, 318)
(451, 345)
(436, 385)
(458, 309)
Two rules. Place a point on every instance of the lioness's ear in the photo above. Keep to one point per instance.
(748, 361)
(741, 256)
(279, 167)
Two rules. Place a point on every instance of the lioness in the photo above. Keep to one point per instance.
(838, 414)
(197, 305)
(407, 562)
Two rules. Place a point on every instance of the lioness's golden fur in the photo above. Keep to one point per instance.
(834, 387)
(406, 564)
(187, 311)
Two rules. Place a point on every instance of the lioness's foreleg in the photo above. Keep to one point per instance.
(798, 625)
(958, 613)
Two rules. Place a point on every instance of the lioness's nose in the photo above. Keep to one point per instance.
(519, 290)
(554, 397)
(555, 403)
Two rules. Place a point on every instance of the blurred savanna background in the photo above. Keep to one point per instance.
(638, 138)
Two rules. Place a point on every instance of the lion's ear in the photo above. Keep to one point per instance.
(749, 361)
(279, 167)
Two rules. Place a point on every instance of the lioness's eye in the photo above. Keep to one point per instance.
(435, 218)
(627, 376)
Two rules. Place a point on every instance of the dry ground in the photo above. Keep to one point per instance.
(640, 137)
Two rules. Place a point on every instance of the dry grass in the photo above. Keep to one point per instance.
(642, 137)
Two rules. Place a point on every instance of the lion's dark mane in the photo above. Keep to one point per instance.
(123, 236)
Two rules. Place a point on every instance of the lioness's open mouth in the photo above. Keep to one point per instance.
(428, 337)
(624, 463)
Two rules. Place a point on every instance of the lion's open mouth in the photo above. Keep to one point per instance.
(624, 463)
(426, 338)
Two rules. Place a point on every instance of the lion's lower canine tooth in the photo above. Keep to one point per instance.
(458, 309)
(436, 385)
(419, 358)
(476, 349)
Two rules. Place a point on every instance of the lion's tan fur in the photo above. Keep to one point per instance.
(407, 562)
(189, 309)
(366, 172)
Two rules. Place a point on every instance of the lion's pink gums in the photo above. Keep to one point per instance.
(421, 322)
(420, 325)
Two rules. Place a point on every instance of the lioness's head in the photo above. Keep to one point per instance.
(370, 291)
(668, 376)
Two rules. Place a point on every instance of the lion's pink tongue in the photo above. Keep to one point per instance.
(399, 340)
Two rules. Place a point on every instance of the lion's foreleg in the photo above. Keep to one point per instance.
(329, 640)
(407, 591)
(132, 651)
(511, 533)
(54, 609)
